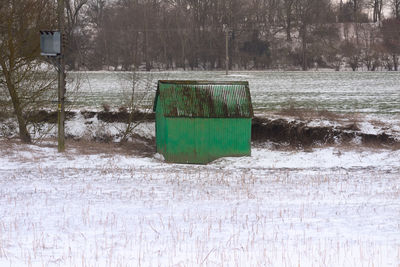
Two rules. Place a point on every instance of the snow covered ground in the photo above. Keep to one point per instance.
(340, 92)
(329, 207)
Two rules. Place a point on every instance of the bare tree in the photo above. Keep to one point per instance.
(391, 39)
(369, 45)
(309, 14)
(377, 7)
(75, 32)
(128, 34)
(20, 22)
(395, 5)
(288, 15)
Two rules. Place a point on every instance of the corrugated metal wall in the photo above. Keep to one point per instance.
(202, 140)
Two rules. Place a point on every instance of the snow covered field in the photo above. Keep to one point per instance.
(329, 207)
(106, 205)
(360, 92)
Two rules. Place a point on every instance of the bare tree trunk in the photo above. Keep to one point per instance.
(146, 49)
(23, 132)
(288, 11)
(380, 7)
(377, 12)
(183, 52)
(304, 46)
(146, 39)
(355, 10)
(166, 63)
(288, 29)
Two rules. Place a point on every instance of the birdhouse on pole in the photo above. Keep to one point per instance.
(50, 43)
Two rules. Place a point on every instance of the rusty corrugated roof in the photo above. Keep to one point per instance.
(203, 99)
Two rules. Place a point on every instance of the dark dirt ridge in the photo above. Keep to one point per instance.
(106, 116)
(299, 135)
(282, 133)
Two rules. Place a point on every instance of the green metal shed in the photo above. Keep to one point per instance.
(200, 121)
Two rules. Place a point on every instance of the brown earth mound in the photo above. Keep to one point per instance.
(298, 134)
(47, 116)
(106, 116)
(124, 116)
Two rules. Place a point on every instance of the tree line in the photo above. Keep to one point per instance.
(263, 34)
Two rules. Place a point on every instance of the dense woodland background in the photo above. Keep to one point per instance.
(190, 34)
(263, 34)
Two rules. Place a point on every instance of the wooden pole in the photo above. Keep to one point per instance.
(61, 81)
(226, 50)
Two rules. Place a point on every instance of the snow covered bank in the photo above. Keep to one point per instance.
(295, 128)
